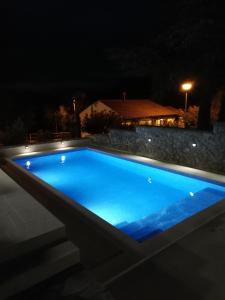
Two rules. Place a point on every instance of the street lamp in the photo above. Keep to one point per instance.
(186, 87)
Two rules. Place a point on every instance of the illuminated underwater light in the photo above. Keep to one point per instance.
(62, 159)
(191, 194)
(28, 164)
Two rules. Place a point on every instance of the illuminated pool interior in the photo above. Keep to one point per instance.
(138, 199)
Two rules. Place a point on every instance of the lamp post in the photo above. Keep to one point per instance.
(186, 87)
(124, 96)
(74, 108)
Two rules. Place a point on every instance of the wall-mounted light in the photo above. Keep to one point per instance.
(27, 147)
(191, 194)
(149, 140)
(62, 142)
(194, 145)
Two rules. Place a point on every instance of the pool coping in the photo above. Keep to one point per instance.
(149, 247)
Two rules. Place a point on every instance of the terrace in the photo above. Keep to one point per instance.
(112, 150)
(190, 264)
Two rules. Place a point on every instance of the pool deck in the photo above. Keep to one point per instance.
(191, 268)
(24, 223)
(33, 243)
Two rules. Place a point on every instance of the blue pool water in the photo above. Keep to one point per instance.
(139, 200)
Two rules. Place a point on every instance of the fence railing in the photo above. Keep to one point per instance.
(36, 137)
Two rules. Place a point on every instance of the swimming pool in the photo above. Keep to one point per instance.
(139, 200)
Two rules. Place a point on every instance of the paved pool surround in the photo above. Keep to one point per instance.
(29, 149)
(188, 147)
(104, 248)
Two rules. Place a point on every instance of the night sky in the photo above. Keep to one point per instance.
(52, 49)
(56, 44)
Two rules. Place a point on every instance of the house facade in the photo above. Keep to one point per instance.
(136, 112)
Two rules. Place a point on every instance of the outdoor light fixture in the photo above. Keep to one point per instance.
(26, 147)
(28, 163)
(62, 143)
(149, 140)
(62, 159)
(186, 87)
(194, 145)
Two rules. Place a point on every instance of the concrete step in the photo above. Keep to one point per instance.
(121, 225)
(132, 227)
(25, 225)
(176, 213)
(189, 206)
(32, 269)
(42, 241)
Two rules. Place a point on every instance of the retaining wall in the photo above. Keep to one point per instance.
(194, 148)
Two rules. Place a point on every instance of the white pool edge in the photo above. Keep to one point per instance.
(158, 243)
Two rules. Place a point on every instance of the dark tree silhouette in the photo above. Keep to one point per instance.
(101, 122)
(222, 110)
(192, 47)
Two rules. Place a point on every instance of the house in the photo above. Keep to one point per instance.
(136, 112)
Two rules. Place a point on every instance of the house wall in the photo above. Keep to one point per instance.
(175, 145)
(97, 106)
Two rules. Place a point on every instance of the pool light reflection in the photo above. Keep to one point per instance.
(149, 180)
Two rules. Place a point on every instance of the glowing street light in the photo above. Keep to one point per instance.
(186, 87)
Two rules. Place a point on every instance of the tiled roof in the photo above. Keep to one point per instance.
(130, 109)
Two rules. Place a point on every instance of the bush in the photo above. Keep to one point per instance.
(190, 117)
(101, 122)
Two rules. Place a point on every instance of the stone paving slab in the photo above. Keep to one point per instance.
(25, 224)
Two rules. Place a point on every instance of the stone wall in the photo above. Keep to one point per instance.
(194, 148)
